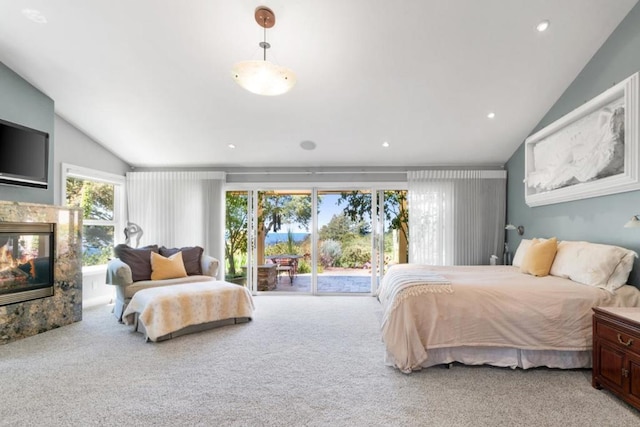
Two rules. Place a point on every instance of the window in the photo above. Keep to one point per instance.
(100, 196)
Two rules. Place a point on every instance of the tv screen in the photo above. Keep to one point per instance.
(24, 155)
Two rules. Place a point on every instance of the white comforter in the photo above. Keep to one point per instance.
(489, 306)
(167, 309)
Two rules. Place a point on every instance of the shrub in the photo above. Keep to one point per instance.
(330, 251)
(355, 256)
(303, 266)
(276, 249)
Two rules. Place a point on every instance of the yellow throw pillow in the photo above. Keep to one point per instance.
(539, 257)
(167, 268)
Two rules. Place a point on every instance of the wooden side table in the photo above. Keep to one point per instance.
(616, 352)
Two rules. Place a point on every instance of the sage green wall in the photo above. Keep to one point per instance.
(598, 219)
(22, 103)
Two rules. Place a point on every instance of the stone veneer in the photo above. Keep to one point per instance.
(29, 318)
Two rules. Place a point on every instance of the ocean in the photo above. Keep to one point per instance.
(273, 238)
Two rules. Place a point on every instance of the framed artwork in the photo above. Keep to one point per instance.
(590, 152)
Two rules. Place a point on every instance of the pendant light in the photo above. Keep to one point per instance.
(261, 76)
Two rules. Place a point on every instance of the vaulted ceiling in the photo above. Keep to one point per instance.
(150, 79)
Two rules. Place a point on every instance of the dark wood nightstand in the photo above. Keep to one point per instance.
(616, 352)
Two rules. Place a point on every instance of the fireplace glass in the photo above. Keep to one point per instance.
(26, 261)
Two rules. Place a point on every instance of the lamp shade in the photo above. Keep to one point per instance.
(634, 222)
(520, 228)
(263, 77)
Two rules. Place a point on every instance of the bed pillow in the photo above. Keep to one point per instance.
(566, 258)
(191, 257)
(539, 257)
(593, 264)
(138, 259)
(522, 249)
(621, 273)
(167, 268)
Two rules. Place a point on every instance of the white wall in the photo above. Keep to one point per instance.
(78, 149)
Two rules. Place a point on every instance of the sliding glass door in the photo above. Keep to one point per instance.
(344, 242)
(314, 241)
(283, 241)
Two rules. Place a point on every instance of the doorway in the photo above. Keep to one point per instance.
(314, 241)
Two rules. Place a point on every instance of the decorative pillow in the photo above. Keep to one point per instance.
(522, 249)
(167, 268)
(593, 264)
(539, 257)
(191, 256)
(138, 259)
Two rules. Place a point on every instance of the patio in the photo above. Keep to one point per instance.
(332, 280)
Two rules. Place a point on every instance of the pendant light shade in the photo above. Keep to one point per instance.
(263, 77)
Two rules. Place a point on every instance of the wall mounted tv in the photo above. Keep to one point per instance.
(24, 156)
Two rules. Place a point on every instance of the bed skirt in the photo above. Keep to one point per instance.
(505, 357)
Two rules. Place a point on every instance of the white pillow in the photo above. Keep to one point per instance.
(621, 273)
(566, 257)
(593, 264)
(520, 252)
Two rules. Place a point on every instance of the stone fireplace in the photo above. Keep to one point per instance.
(40, 268)
(26, 261)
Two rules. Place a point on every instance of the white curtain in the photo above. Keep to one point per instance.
(456, 217)
(178, 209)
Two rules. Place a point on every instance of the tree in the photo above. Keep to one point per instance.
(96, 199)
(278, 209)
(336, 229)
(358, 208)
(235, 227)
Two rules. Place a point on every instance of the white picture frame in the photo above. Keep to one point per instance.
(590, 152)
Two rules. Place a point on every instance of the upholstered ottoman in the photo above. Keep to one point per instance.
(170, 311)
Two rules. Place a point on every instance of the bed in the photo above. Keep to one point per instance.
(500, 316)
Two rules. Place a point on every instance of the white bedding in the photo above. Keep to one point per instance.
(490, 307)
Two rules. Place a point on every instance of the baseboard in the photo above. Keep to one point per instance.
(101, 300)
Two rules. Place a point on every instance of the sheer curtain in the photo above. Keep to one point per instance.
(456, 217)
(178, 209)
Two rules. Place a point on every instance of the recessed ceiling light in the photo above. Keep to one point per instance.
(385, 144)
(491, 115)
(543, 26)
(231, 146)
(35, 16)
(308, 145)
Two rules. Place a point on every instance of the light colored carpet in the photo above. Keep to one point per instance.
(302, 361)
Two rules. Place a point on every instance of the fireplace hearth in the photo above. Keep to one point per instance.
(26, 261)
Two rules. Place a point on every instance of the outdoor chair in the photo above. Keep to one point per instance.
(288, 266)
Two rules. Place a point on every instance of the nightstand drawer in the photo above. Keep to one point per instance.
(618, 337)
